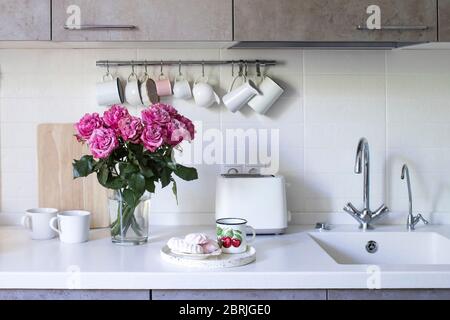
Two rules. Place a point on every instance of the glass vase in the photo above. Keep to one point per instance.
(129, 224)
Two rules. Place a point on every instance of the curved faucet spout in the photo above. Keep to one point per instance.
(362, 165)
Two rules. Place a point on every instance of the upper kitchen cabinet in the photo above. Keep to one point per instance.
(444, 20)
(142, 20)
(25, 20)
(335, 20)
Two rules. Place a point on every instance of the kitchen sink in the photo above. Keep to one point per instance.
(385, 248)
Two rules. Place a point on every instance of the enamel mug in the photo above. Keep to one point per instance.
(72, 226)
(132, 91)
(109, 91)
(236, 98)
(148, 92)
(204, 94)
(232, 234)
(181, 88)
(270, 92)
(37, 221)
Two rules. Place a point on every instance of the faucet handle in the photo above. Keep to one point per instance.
(421, 218)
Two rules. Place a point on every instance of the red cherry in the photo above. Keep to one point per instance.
(226, 242)
(235, 242)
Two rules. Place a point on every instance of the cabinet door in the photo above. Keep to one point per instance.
(444, 20)
(155, 20)
(24, 19)
(334, 20)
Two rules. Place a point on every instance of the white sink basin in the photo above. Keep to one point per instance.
(393, 248)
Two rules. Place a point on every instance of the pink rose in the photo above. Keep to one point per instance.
(87, 124)
(171, 110)
(177, 132)
(189, 125)
(102, 142)
(157, 115)
(130, 129)
(113, 115)
(153, 137)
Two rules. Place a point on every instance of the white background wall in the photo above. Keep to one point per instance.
(399, 100)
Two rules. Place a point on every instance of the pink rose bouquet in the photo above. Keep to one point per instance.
(131, 154)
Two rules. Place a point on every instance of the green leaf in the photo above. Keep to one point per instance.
(137, 183)
(165, 177)
(186, 173)
(219, 231)
(103, 174)
(172, 165)
(228, 233)
(115, 183)
(150, 185)
(129, 197)
(174, 190)
(238, 231)
(127, 168)
(146, 172)
(237, 236)
(83, 167)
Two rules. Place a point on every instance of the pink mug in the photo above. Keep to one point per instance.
(163, 86)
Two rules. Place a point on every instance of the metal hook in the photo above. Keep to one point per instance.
(203, 68)
(232, 69)
(258, 69)
(107, 67)
(179, 68)
(245, 69)
(241, 68)
(145, 66)
(161, 72)
(132, 67)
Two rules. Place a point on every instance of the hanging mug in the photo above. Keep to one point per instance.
(204, 94)
(109, 91)
(236, 98)
(181, 87)
(163, 85)
(148, 90)
(270, 92)
(132, 89)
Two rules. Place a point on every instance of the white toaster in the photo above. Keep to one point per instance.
(260, 199)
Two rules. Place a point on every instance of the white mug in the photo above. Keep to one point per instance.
(204, 94)
(72, 226)
(37, 221)
(109, 91)
(232, 234)
(132, 91)
(181, 88)
(235, 99)
(270, 92)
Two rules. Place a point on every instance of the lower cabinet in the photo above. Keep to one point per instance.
(234, 295)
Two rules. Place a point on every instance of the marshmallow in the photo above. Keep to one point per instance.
(180, 245)
(196, 238)
(210, 246)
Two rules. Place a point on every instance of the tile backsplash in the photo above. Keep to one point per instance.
(399, 100)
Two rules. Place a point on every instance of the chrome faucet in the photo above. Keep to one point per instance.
(412, 219)
(362, 165)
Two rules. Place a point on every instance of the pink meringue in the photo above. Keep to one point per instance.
(210, 246)
(196, 238)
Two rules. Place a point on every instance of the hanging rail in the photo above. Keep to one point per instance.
(120, 63)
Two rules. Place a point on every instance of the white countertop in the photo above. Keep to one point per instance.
(289, 261)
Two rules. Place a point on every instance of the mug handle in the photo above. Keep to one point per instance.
(26, 221)
(52, 225)
(253, 234)
(244, 78)
(201, 79)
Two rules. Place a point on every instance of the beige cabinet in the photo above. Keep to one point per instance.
(334, 20)
(25, 20)
(142, 20)
(444, 20)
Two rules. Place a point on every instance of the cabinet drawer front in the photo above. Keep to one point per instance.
(332, 20)
(24, 19)
(444, 20)
(155, 20)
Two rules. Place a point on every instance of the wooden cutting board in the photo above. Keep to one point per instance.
(56, 149)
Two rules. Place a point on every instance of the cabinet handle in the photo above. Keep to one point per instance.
(394, 28)
(100, 27)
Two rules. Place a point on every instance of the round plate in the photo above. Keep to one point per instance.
(224, 260)
(196, 256)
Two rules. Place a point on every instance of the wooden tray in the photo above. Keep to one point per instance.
(224, 260)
